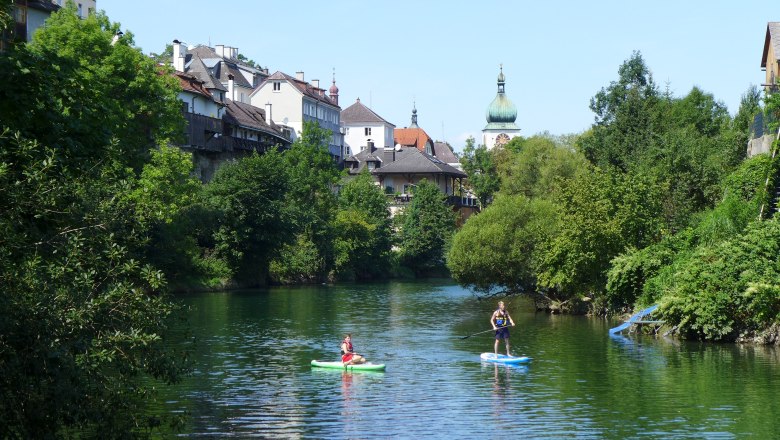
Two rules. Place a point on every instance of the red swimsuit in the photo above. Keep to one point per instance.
(346, 357)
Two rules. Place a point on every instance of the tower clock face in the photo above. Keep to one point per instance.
(502, 139)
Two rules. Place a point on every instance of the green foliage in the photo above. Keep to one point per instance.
(76, 91)
(626, 117)
(536, 165)
(82, 321)
(728, 289)
(428, 224)
(602, 215)
(85, 317)
(363, 230)
(311, 201)
(480, 166)
(254, 219)
(502, 246)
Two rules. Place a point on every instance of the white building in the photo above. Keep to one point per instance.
(219, 68)
(289, 101)
(360, 125)
(501, 116)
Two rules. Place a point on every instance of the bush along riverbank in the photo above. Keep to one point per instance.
(655, 203)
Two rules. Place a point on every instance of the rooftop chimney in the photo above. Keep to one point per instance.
(231, 88)
(220, 50)
(234, 52)
(299, 76)
(179, 52)
(268, 117)
(315, 83)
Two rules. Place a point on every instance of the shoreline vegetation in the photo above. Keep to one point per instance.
(100, 219)
(656, 203)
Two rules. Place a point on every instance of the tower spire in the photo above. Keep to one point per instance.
(501, 78)
(334, 91)
(414, 116)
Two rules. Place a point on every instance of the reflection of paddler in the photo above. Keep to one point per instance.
(500, 320)
(348, 355)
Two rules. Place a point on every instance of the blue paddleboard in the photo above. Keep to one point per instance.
(504, 359)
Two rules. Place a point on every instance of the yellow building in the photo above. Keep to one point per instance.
(770, 60)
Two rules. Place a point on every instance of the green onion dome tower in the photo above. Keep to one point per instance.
(501, 116)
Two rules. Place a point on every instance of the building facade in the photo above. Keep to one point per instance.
(501, 116)
(362, 125)
(290, 101)
(413, 136)
(770, 58)
(31, 15)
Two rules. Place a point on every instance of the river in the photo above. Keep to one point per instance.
(252, 375)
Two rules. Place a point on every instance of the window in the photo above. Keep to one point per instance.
(277, 86)
(20, 14)
(81, 11)
(346, 130)
(371, 165)
(368, 131)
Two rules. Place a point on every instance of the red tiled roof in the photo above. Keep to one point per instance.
(304, 87)
(192, 84)
(412, 137)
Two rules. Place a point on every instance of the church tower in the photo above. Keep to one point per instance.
(501, 116)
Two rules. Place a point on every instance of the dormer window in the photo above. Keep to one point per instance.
(277, 86)
(371, 165)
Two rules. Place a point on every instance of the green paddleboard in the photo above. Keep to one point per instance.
(368, 366)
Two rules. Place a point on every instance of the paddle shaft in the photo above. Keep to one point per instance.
(479, 333)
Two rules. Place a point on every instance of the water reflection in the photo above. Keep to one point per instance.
(253, 375)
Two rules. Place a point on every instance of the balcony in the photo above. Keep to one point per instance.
(400, 200)
(201, 131)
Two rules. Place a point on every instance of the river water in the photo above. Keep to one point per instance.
(253, 377)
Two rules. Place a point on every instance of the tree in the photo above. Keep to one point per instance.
(626, 117)
(163, 57)
(535, 166)
(363, 229)
(479, 165)
(428, 224)
(501, 246)
(311, 199)
(83, 320)
(254, 218)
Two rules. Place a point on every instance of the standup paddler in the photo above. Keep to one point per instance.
(501, 322)
(348, 355)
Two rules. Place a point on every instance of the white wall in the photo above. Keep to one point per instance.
(287, 103)
(200, 105)
(381, 134)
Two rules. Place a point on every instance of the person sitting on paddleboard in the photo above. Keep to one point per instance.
(501, 322)
(348, 355)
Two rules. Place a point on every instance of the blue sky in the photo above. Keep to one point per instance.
(445, 55)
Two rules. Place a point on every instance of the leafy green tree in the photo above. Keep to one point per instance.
(501, 246)
(428, 225)
(312, 201)
(728, 289)
(536, 166)
(363, 230)
(83, 320)
(626, 117)
(163, 57)
(110, 100)
(602, 215)
(479, 164)
(254, 219)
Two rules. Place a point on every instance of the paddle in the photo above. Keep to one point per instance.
(477, 333)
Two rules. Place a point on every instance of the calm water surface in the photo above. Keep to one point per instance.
(253, 377)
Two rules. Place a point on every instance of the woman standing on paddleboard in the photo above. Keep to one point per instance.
(348, 355)
(501, 322)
